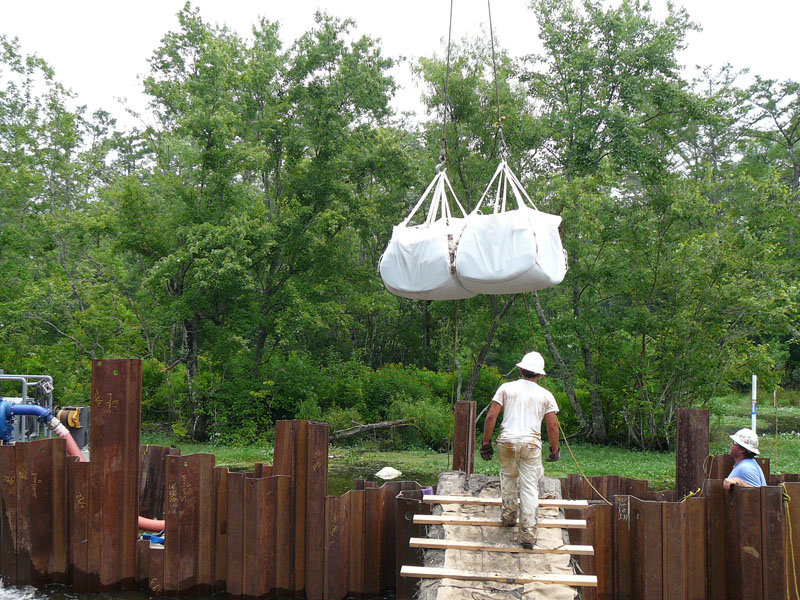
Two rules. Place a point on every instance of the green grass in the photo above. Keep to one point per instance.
(236, 457)
(657, 467)
(728, 414)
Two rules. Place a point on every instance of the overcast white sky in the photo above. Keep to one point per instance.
(99, 48)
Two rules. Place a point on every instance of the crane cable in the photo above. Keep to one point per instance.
(501, 140)
(446, 106)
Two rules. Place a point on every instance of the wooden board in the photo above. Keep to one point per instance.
(486, 522)
(490, 547)
(437, 573)
(473, 500)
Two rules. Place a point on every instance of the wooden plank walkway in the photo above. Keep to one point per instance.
(493, 522)
(491, 547)
(493, 571)
(550, 578)
(475, 500)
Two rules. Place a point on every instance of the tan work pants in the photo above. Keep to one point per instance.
(520, 470)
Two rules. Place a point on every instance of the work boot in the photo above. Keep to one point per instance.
(510, 521)
(528, 540)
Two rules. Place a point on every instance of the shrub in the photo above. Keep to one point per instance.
(431, 420)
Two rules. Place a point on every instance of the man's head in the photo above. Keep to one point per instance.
(745, 442)
(531, 365)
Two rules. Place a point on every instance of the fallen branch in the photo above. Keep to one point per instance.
(358, 429)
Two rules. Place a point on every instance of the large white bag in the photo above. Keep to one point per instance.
(512, 251)
(418, 262)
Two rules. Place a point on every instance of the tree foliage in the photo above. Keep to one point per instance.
(234, 243)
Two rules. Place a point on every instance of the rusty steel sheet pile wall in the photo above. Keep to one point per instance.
(33, 532)
(365, 530)
(301, 452)
(113, 502)
(464, 437)
(275, 531)
(720, 545)
(691, 449)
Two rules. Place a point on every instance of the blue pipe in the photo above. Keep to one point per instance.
(8, 410)
(6, 422)
(43, 413)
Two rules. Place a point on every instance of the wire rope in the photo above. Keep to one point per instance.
(500, 137)
(446, 106)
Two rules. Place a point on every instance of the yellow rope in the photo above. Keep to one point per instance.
(707, 464)
(563, 435)
(786, 500)
(575, 460)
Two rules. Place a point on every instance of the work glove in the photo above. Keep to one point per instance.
(487, 452)
(554, 456)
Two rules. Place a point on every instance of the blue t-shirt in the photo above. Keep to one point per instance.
(750, 472)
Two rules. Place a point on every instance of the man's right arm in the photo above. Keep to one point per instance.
(488, 429)
(551, 422)
(491, 421)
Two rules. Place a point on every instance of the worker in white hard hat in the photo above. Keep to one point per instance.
(524, 404)
(746, 471)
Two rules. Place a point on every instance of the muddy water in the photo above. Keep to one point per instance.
(340, 479)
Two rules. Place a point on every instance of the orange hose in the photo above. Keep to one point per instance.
(151, 524)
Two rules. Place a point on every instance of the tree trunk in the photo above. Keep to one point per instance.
(598, 420)
(359, 429)
(192, 369)
(561, 367)
(426, 333)
(497, 318)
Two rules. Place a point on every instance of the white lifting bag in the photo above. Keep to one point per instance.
(508, 252)
(419, 261)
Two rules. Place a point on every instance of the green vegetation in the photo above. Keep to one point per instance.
(362, 457)
(233, 242)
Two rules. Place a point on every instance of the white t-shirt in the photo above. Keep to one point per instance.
(525, 404)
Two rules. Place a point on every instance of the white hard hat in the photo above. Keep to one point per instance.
(747, 439)
(532, 362)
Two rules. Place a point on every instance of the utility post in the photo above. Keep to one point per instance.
(754, 396)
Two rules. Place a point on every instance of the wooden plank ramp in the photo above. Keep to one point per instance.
(493, 522)
(440, 544)
(493, 571)
(475, 500)
(549, 578)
